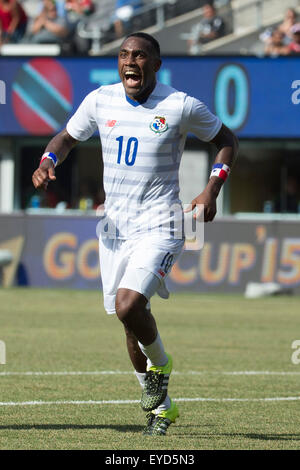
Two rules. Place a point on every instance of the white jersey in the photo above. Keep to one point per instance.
(142, 145)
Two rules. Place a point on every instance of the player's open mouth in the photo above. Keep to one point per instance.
(132, 78)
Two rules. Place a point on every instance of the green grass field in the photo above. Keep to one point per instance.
(212, 336)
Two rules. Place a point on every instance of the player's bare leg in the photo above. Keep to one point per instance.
(138, 359)
(166, 413)
(131, 311)
(138, 320)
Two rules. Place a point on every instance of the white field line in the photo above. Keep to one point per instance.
(50, 373)
(119, 372)
(129, 402)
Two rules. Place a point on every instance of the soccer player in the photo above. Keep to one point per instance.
(143, 126)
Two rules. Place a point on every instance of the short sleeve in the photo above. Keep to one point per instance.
(83, 123)
(199, 120)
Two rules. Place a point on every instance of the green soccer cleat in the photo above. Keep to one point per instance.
(156, 385)
(157, 425)
(150, 418)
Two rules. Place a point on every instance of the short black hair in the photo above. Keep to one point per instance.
(147, 37)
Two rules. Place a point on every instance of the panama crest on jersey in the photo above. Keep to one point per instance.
(159, 125)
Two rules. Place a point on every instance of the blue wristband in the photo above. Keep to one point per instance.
(51, 156)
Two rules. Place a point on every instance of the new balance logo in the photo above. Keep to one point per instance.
(110, 123)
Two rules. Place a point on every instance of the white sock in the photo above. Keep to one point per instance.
(155, 352)
(141, 378)
(165, 405)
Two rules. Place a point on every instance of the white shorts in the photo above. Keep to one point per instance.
(141, 265)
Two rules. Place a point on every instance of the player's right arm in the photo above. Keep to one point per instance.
(80, 127)
(60, 146)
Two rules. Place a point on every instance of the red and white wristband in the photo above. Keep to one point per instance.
(50, 156)
(221, 170)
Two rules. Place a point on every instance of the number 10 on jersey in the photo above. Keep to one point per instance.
(130, 150)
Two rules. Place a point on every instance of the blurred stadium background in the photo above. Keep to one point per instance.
(255, 237)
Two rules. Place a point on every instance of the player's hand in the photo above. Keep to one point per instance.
(44, 174)
(207, 202)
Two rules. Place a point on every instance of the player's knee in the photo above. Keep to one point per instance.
(125, 309)
(127, 306)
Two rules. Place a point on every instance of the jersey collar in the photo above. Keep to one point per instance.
(138, 103)
(134, 103)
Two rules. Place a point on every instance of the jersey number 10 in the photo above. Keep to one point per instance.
(130, 152)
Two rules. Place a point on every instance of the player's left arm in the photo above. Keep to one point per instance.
(227, 146)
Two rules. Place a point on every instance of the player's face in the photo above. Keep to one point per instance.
(138, 65)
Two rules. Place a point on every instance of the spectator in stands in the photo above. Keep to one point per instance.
(210, 27)
(276, 45)
(289, 20)
(49, 27)
(60, 7)
(80, 7)
(124, 12)
(13, 21)
(77, 10)
(294, 46)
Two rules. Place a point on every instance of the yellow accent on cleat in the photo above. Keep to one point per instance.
(171, 413)
(157, 425)
(166, 369)
(156, 385)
